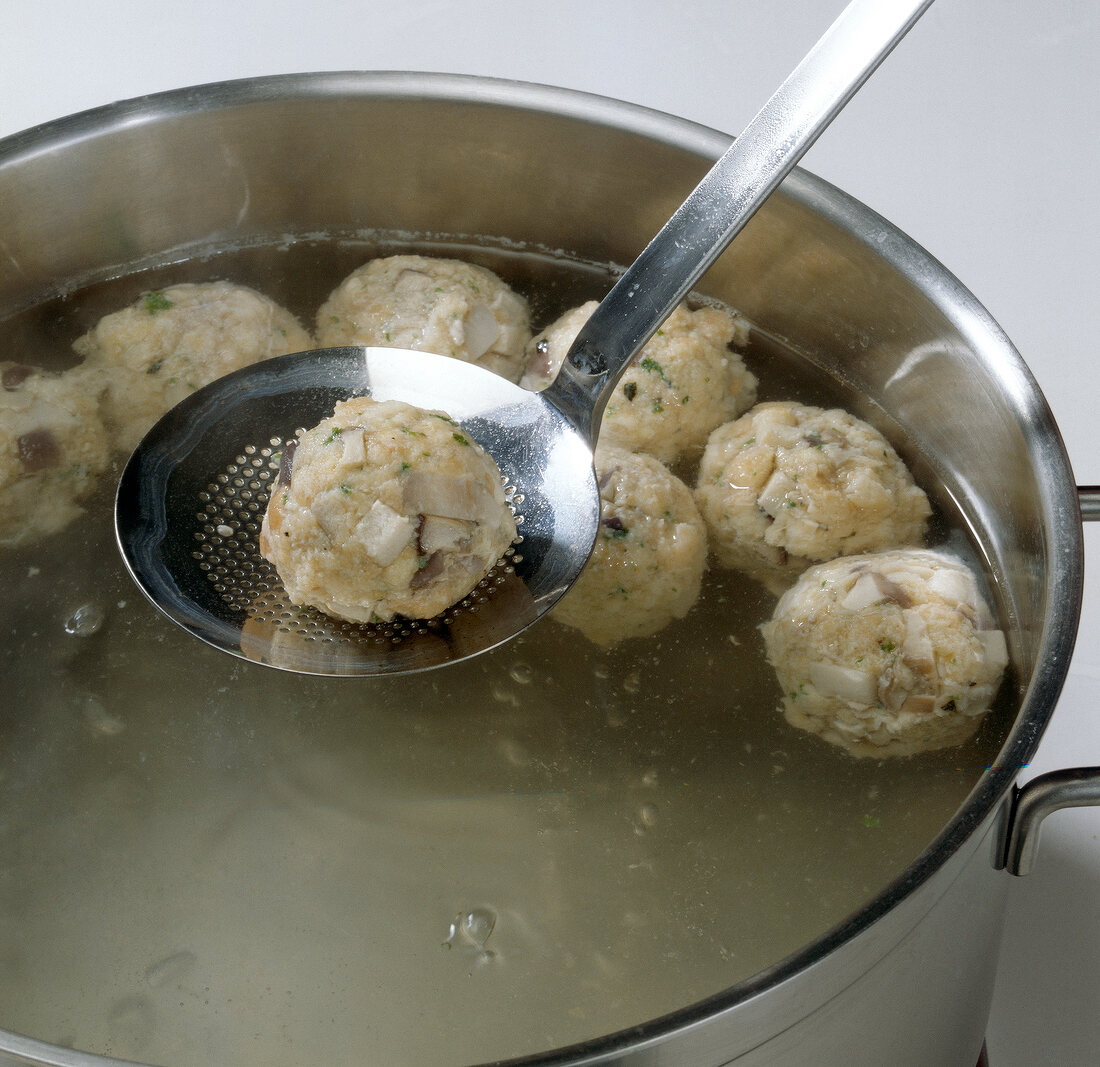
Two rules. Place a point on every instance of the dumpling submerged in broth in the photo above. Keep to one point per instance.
(887, 654)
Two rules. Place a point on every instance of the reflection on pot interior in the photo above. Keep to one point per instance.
(208, 860)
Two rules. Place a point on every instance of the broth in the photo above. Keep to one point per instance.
(206, 860)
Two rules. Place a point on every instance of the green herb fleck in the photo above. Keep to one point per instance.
(345, 488)
(411, 433)
(405, 466)
(871, 821)
(686, 400)
(336, 431)
(658, 407)
(630, 390)
(887, 645)
(422, 562)
(446, 418)
(286, 497)
(651, 365)
(460, 439)
(156, 301)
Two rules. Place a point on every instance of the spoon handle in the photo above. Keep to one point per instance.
(727, 197)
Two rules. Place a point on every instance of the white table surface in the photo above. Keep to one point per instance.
(978, 137)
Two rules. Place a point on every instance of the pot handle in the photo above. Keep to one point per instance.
(1089, 496)
(1073, 788)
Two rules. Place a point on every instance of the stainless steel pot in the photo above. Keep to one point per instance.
(908, 979)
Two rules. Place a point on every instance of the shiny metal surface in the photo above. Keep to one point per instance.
(1077, 787)
(161, 495)
(813, 267)
(1039, 798)
(924, 946)
(542, 443)
(1089, 496)
(728, 196)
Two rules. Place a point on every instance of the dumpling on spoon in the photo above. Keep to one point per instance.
(385, 509)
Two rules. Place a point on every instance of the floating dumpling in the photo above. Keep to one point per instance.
(148, 357)
(887, 654)
(788, 485)
(685, 382)
(651, 551)
(426, 304)
(53, 447)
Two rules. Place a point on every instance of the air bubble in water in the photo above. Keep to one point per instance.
(471, 929)
(85, 621)
(645, 819)
(478, 924)
(522, 673)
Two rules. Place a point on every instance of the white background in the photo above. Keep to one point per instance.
(978, 138)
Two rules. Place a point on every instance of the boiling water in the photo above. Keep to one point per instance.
(205, 860)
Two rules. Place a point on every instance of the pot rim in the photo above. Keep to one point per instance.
(1054, 478)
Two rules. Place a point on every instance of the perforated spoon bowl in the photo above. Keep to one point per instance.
(191, 497)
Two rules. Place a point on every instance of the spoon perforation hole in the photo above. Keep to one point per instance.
(227, 553)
